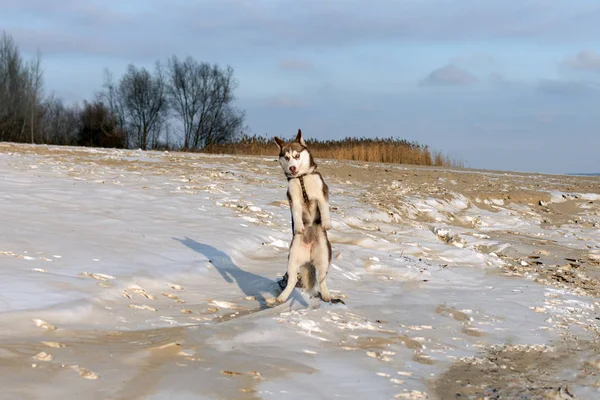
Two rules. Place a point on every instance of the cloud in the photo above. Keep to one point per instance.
(327, 23)
(295, 64)
(78, 14)
(448, 76)
(584, 61)
(567, 88)
(132, 30)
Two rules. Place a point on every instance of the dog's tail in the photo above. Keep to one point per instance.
(308, 274)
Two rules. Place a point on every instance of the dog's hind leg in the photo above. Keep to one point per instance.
(299, 255)
(321, 258)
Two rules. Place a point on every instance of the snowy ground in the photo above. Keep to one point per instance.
(144, 275)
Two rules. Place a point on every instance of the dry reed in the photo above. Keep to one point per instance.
(394, 151)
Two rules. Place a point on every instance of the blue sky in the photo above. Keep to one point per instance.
(499, 84)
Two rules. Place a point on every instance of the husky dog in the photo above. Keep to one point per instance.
(308, 195)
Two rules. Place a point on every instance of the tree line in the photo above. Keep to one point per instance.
(181, 103)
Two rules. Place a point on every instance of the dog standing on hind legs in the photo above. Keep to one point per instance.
(308, 196)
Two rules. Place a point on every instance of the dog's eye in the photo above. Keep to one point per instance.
(287, 158)
(297, 156)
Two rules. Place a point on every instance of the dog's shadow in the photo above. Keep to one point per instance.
(251, 284)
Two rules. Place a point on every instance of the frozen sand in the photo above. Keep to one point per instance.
(155, 268)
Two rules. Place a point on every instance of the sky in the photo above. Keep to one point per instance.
(508, 85)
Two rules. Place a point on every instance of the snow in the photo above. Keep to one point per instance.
(91, 246)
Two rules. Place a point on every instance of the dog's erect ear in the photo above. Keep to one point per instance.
(299, 138)
(280, 143)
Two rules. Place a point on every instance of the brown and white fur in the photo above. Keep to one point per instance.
(310, 250)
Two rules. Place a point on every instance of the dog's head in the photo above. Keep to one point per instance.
(294, 157)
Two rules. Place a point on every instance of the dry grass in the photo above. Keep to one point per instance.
(396, 151)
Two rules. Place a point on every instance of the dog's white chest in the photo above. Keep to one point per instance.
(305, 189)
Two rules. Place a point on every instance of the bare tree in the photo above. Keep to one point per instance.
(144, 102)
(98, 127)
(225, 126)
(59, 124)
(133, 111)
(111, 96)
(21, 86)
(201, 94)
(35, 83)
(13, 90)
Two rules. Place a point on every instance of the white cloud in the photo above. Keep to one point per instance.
(584, 61)
(449, 75)
(136, 29)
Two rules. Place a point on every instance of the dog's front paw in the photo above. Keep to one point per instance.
(281, 299)
(271, 302)
(326, 224)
